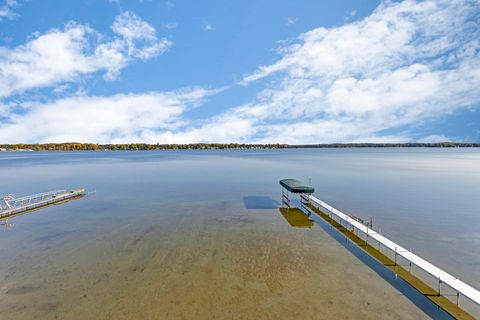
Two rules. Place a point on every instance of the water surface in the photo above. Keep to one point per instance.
(182, 234)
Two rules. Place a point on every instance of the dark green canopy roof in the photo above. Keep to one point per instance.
(296, 186)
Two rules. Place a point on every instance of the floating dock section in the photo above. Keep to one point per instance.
(383, 248)
(12, 206)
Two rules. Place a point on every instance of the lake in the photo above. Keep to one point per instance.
(198, 234)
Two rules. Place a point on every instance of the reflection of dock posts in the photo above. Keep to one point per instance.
(305, 202)
(296, 217)
(285, 198)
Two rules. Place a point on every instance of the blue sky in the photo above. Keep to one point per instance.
(239, 71)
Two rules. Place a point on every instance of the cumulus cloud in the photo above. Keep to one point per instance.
(64, 55)
(407, 62)
(117, 118)
(139, 38)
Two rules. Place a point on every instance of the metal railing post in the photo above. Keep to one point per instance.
(439, 286)
(395, 255)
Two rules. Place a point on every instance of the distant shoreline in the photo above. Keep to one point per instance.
(72, 146)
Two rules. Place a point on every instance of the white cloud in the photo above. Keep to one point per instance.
(222, 129)
(118, 118)
(435, 138)
(291, 21)
(64, 55)
(139, 38)
(405, 63)
(350, 15)
(170, 25)
(7, 10)
(208, 27)
(408, 62)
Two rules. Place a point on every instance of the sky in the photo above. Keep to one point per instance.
(270, 71)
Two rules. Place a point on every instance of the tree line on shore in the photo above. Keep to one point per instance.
(391, 145)
(72, 146)
(135, 146)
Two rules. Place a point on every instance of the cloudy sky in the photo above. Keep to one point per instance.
(273, 71)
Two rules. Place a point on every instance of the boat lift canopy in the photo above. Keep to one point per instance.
(296, 186)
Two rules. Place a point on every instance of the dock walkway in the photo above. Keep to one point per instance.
(441, 276)
(16, 206)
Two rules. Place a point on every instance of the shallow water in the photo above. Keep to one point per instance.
(182, 234)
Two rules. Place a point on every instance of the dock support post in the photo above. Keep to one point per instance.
(395, 255)
(439, 286)
(458, 296)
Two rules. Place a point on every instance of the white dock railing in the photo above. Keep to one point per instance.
(18, 205)
(440, 275)
(12, 202)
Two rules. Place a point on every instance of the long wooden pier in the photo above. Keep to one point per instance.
(361, 234)
(16, 206)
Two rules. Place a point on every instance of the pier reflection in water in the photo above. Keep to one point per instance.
(296, 217)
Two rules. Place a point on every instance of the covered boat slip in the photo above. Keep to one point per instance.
(293, 186)
(296, 186)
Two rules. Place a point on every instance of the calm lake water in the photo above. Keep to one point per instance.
(213, 215)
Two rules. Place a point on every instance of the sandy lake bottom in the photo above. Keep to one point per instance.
(200, 236)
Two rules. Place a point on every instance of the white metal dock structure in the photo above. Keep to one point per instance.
(12, 206)
(440, 276)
